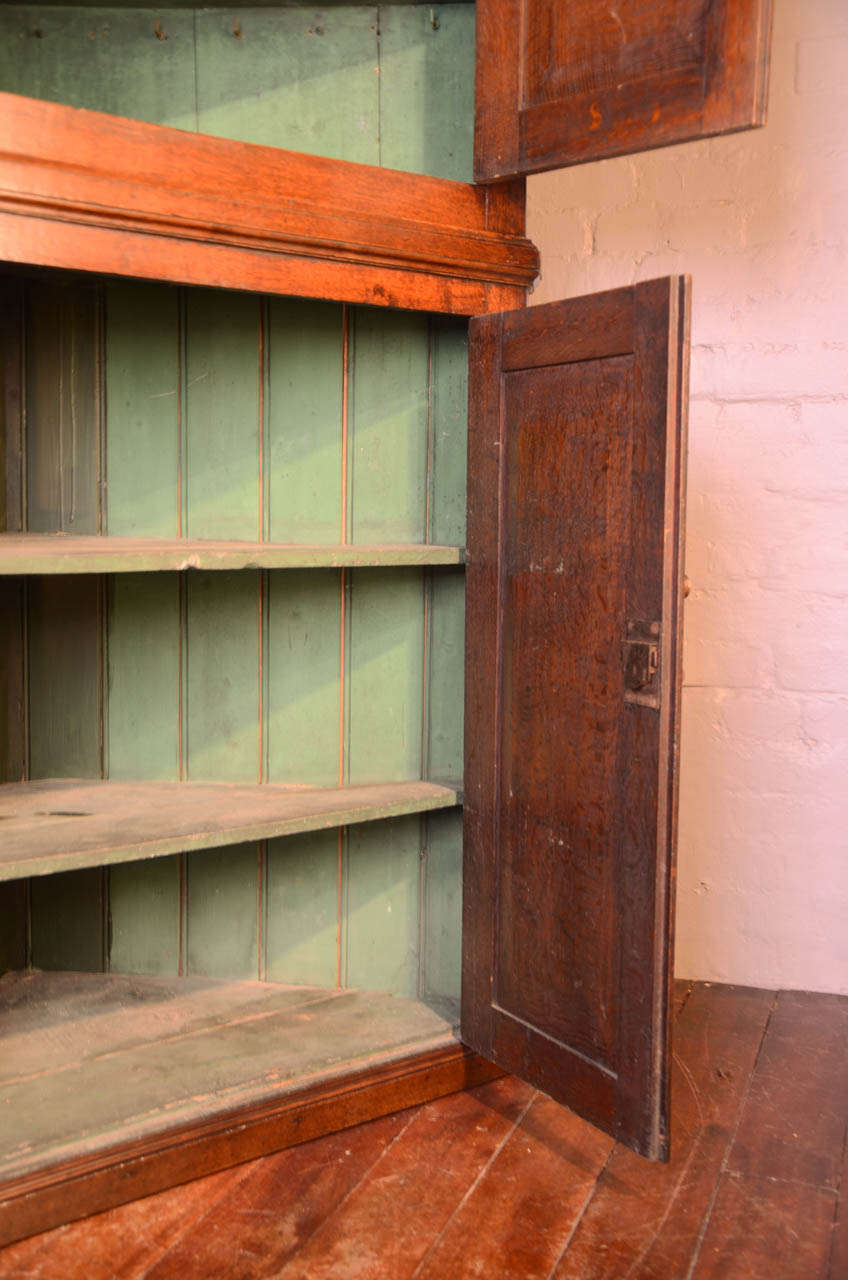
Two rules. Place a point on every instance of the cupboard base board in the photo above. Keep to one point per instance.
(405, 1053)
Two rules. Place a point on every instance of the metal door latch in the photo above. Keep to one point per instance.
(641, 653)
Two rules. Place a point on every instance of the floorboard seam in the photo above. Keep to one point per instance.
(687, 1075)
(783, 1182)
(590, 1195)
(365, 1174)
(468, 1193)
(195, 1221)
(730, 1142)
(839, 1210)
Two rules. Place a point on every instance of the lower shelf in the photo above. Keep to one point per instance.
(64, 825)
(112, 1087)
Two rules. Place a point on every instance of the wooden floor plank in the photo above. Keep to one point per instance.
(839, 1245)
(760, 1229)
(387, 1225)
(644, 1219)
(272, 1213)
(120, 1244)
(793, 1124)
(520, 1215)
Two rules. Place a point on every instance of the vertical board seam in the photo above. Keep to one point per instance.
(182, 441)
(196, 76)
(182, 604)
(339, 907)
(346, 505)
(60, 406)
(379, 70)
(100, 408)
(264, 389)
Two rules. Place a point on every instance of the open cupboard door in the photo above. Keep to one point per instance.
(574, 580)
(559, 83)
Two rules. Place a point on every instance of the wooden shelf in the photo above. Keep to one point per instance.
(113, 1086)
(139, 1054)
(93, 192)
(49, 553)
(63, 825)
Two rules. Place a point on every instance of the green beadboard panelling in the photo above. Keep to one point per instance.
(402, 634)
(387, 458)
(106, 60)
(427, 89)
(441, 943)
(143, 409)
(304, 417)
(14, 906)
(62, 397)
(68, 921)
(64, 677)
(382, 906)
(449, 431)
(303, 664)
(301, 78)
(385, 674)
(222, 720)
(144, 902)
(391, 86)
(446, 676)
(302, 909)
(222, 430)
(224, 912)
(144, 675)
(13, 752)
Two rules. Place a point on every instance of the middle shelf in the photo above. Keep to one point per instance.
(55, 553)
(67, 824)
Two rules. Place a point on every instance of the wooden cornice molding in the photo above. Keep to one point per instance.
(93, 192)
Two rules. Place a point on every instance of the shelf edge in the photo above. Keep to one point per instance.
(446, 797)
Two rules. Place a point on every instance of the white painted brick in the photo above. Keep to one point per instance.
(811, 654)
(631, 229)
(718, 763)
(760, 221)
(780, 370)
(720, 939)
(820, 69)
(608, 184)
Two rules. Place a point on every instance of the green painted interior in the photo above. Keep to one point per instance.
(389, 85)
(302, 676)
(160, 411)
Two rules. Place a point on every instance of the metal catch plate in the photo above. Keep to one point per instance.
(641, 657)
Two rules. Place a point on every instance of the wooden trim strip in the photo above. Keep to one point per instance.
(65, 171)
(89, 1184)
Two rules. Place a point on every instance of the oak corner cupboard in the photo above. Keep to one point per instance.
(289, 479)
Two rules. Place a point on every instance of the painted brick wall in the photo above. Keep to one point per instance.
(760, 220)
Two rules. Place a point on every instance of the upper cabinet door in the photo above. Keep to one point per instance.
(563, 81)
(575, 518)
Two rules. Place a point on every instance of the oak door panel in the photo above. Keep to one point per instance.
(558, 84)
(574, 590)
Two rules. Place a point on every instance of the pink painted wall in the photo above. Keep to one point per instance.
(760, 220)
